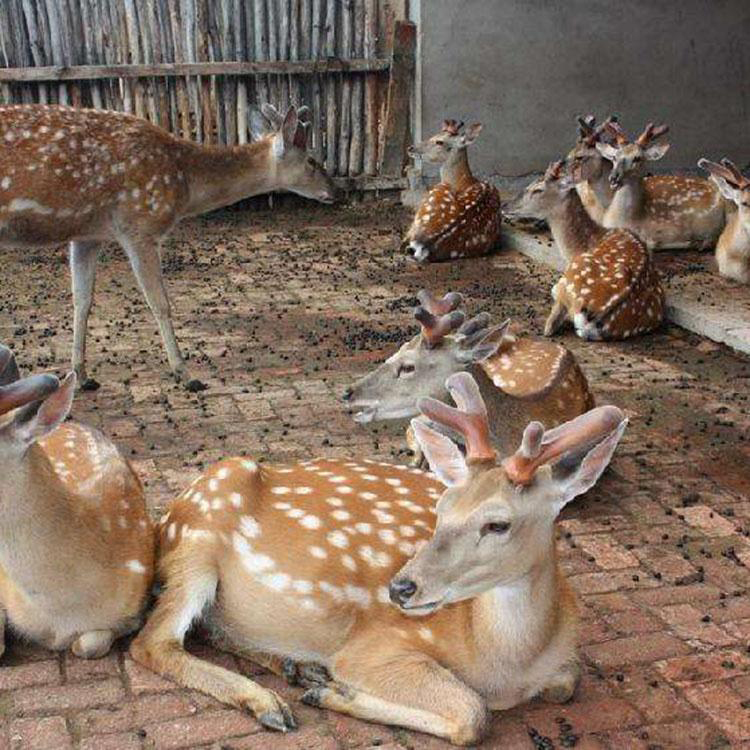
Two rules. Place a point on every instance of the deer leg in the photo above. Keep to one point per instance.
(557, 317)
(160, 647)
(561, 686)
(93, 645)
(83, 257)
(145, 261)
(410, 691)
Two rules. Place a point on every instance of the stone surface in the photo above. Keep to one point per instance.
(278, 312)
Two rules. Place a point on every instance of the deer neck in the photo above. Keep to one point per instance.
(628, 199)
(600, 186)
(37, 520)
(573, 230)
(218, 176)
(456, 172)
(517, 619)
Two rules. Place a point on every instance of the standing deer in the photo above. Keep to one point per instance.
(594, 188)
(304, 562)
(665, 211)
(733, 247)
(521, 379)
(85, 176)
(460, 216)
(76, 542)
(610, 289)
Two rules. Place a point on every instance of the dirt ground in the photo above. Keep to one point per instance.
(279, 310)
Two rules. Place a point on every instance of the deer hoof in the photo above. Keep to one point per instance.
(279, 721)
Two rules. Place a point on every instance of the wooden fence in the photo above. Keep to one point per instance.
(195, 66)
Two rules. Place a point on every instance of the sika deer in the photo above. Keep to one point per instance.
(521, 378)
(460, 216)
(733, 247)
(665, 211)
(76, 542)
(299, 562)
(593, 189)
(85, 176)
(610, 289)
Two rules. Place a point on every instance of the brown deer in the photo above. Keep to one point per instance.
(594, 188)
(76, 542)
(521, 378)
(460, 216)
(304, 562)
(733, 247)
(665, 211)
(610, 289)
(84, 176)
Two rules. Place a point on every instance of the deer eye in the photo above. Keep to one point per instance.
(495, 527)
(440, 143)
(405, 369)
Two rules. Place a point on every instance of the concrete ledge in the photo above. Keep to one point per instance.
(698, 299)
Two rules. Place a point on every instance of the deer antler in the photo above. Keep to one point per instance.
(554, 170)
(613, 127)
(445, 304)
(539, 447)
(26, 391)
(469, 419)
(738, 178)
(651, 133)
(436, 327)
(452, 127)
(586, 126)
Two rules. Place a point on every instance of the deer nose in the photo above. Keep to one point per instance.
(402, 590)
(347, 394)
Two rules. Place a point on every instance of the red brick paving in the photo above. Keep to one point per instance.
(278, 311)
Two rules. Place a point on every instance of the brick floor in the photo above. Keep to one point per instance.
(278, 310)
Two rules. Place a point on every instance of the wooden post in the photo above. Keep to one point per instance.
(398, 98)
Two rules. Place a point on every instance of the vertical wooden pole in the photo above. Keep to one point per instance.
(330, 84)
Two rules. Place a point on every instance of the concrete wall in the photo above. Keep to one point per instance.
(525, 68)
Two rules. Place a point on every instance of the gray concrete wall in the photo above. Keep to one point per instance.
(525, 68)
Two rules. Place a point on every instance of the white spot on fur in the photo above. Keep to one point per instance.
(136, 566)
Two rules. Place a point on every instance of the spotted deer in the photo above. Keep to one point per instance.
(593, 187)
(611, 289)
(460, 216)
(665, 211)
(83, 176)
(76, 542)
(733, 247)
(521, 378)
(304, 562)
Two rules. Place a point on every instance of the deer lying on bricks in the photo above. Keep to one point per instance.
(610, 289)
(86, 176)
(665, 211)
(733, 247)
(594, 189)
(305, 561)
(521, 378)
(460, 216)
(76, 542)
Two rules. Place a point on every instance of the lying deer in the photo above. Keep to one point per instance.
(302, 562)
(665, 211)
(76, 542)
(86, 176)
(521, 378)
(460, 216)
(733, 247)
(594, 188)
(610, 289)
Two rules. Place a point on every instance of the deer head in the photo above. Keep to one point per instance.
(584, 161)
(542, 197)
(292, 167)
(446, 144)
(445, 345)
(495, 519)
(732, 184)
(629, 158)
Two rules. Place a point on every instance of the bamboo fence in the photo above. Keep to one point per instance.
(195, 66)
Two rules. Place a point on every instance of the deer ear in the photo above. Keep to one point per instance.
(471, 133)
(8, 367)
(479, 349)
(656, 152)
(289, 127)
(726, 190)
(42, 417)
(582, 471)
(607, 150)
(445, 459)
(272, 115)
(258, 124)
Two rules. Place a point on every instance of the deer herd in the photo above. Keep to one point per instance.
(422, 596)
